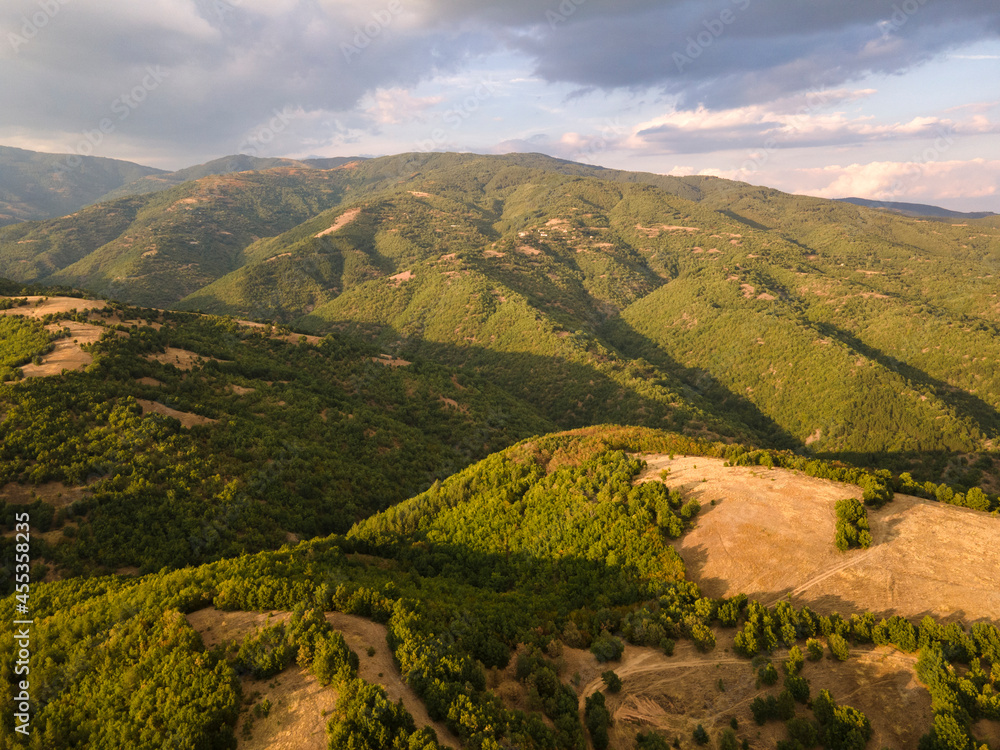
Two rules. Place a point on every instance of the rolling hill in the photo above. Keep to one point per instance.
(918, 209)
(506, 596)
(594, 295)
(42, 186)
(139, 439)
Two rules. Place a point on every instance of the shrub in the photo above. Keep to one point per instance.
(612, 681)
(607, 648)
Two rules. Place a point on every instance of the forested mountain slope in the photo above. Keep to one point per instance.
(491, 584)
(42, 186)
(595, 295)
(175, 438)
(223, 166)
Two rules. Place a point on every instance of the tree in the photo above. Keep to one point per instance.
(838, 647)
(727, 740)
(612, 681)
(700, 735)
(598, 719)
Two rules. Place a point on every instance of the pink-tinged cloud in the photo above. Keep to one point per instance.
(397, 105)
(802, 121)
(924, 181)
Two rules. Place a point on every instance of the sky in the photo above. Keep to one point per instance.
(881, 99)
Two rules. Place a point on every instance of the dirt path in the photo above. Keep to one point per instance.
(674, 694)
(855, 559)
(217, 626)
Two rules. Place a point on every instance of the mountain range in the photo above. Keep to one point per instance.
(494, 452)
(790, 321)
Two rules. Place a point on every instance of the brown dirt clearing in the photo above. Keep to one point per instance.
(342, 221)
(297, 719)
(770, 534)
(51, 305)
(216, 626)
(674, 694)
(67, 354)
(186, 418)
(55, 494)
(180, 358)
(389, 361)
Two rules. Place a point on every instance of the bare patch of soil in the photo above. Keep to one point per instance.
(216, 627)
(675, 694)
(988, 731)
(399, 278)
(186, 418)
(657, 230)
(388, 361)
(67, 354)
(297, 717)
(770, 534)
(55, 494)
(292, 338)
(149, 381)
(342, 221)
(180, 358)
(380, 669)
(39, 307)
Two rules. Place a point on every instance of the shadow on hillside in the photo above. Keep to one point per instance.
(744, 220)
(986, 417)
(713, 395)
(572, 394)
(923, 466)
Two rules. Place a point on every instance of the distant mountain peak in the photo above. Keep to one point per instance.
(917, 209)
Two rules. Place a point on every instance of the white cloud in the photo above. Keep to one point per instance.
(395, 106)
(924, 181)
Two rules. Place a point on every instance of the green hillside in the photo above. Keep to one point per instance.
(592, 294)
(255, 438)
(41, 186)
(537, 550)
(225, 165)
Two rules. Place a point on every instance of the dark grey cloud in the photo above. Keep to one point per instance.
(201, 76)
(735, 52)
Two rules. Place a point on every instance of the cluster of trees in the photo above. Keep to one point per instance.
(959, 700)
(323, 436)
(8, 303)
(21, 341)
(852, 528)
(974, 497)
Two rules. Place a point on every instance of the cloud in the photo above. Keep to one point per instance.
(726, 53)
(796, 121)
(914, 180)
(397, 105)
(737, 71)
(227, 65)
